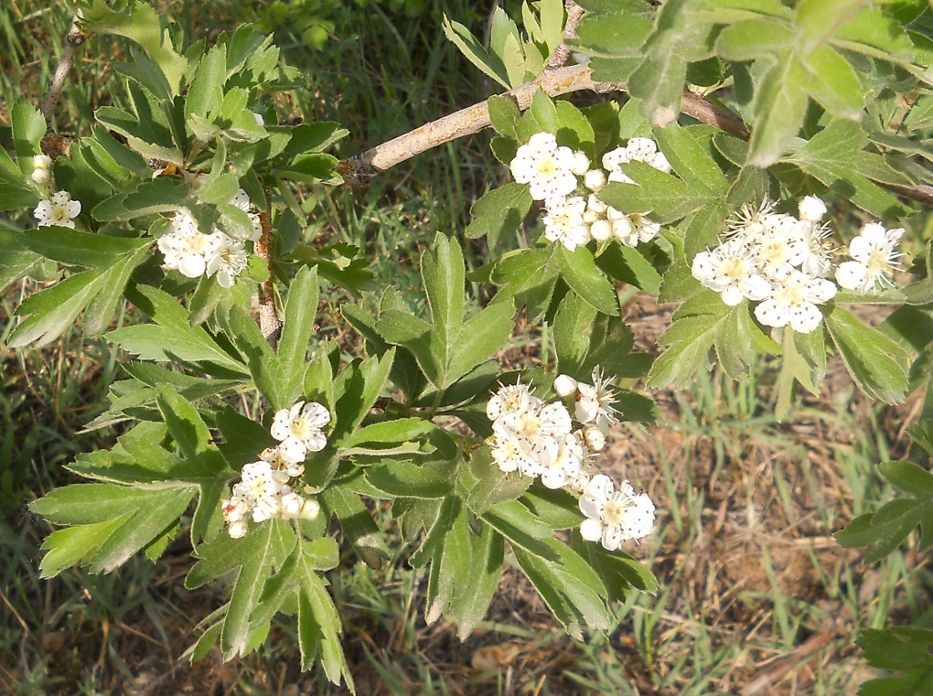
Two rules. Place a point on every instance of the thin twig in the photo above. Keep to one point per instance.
(269, 322)
(562, 52)
(73, 39)
(365, 166)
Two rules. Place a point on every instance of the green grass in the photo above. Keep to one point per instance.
(739, 489)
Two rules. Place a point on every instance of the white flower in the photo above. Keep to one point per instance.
(780, 247)
(594, 403)
(227, 260)
(562, 463)
(632, 229)
(614, 517)
(513, 454)
(811, 209)
(291, 504)
(274, 457)
(547, 168)
(514, 398)
(794, 301)
(565, 385)
(242, 201)
(185, 248)
(298, 430)
(564, 222)
(731, 270)
(875, 259)
(60, 210)
(637, 149)
(816, 263)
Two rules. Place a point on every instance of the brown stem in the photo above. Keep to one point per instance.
(365, 166)
(563, 51)
(73, 39)
(269, 322)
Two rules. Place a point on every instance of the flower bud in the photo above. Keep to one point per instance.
(580, 163)
(40, 176)
(565, 385)
(594, 179)
(594, 438)
(601, 230)
(811, 209)
(238, 529)
(310, 509)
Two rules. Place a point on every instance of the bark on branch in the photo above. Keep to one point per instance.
(363, 167)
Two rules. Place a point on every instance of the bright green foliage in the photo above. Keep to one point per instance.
(904, 649)
(820, 86)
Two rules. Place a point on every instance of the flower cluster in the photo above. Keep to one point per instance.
(193, 253)
(783, 263)
(266, 487)
(563, 179)
(60, 210)
(539, 439)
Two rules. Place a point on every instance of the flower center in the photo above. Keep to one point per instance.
(735, 268)
(59, 213)
(299, 428)
(547, 167)
(878, 263)
(614, 511)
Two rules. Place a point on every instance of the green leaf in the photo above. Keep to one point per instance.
(504, 115)
(409, 480)
(690, 160)
(832, 82)
(500, 211)
(141, 24)
(80, 248)
(143, 514)
(818, 20)
(475, 52)
(172, 338)
(780, 106)
(528, 276)
(836, 157)
(754, 38)
(522, 528)
(678, 38)
(357, 523)
(356, 390)
(28, 129)
(688, 340)
(630, 266)
(190, 432)
(253, 559)
(451, 567)
(887, 528)
(580, 272)
(487, 553)
(660, 196)
(877, 364)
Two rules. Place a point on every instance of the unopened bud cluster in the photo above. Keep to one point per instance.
(266, 488)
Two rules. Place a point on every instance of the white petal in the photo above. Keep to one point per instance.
(851, 275)
(805, 317)
(591, 530)
(770, 313)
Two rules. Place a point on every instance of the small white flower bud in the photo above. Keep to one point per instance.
(580, 163)
(238, 529)
(594, 179)
(310, 509)
(292, 504)
(40, 176)
(41, 162)
(260, 121)
(594, 438)
(601, 230)
(565, 385)
(811, 209)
